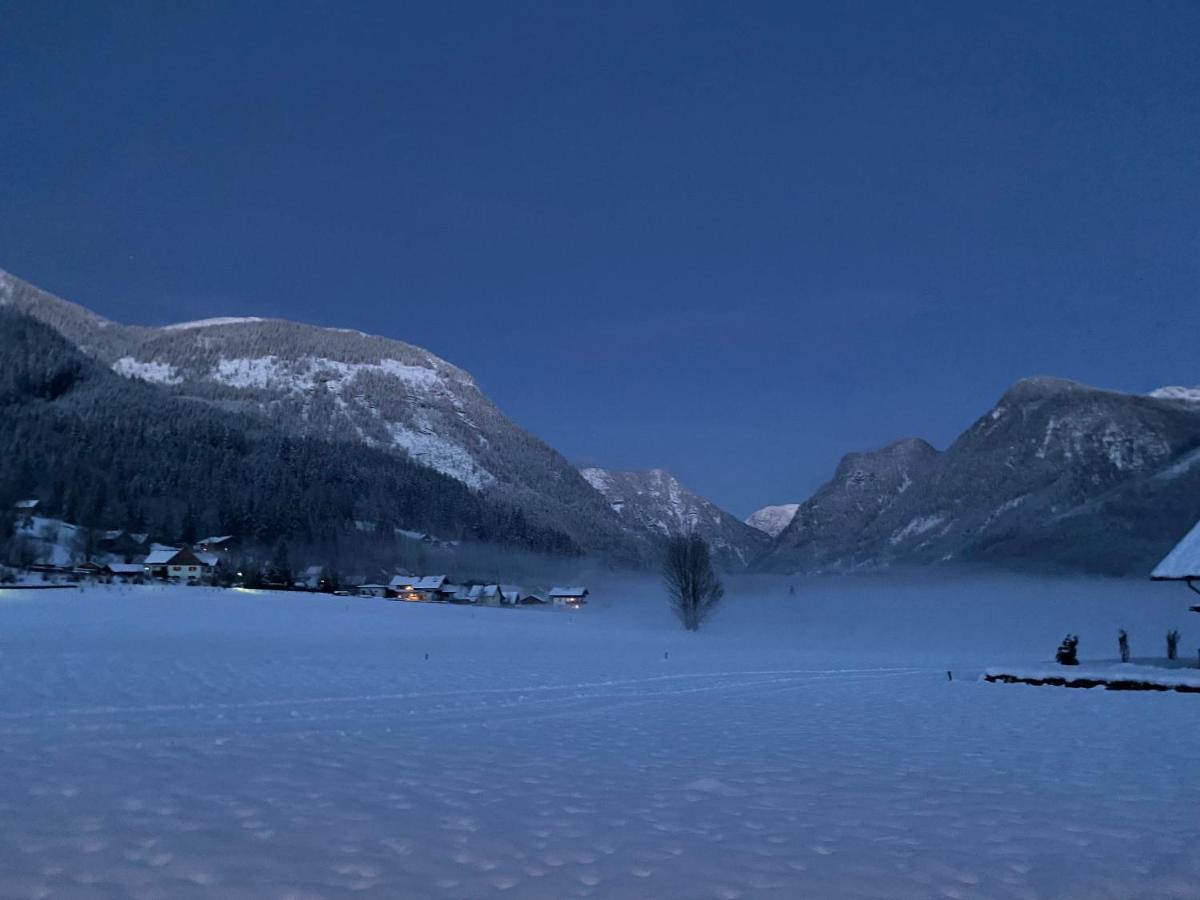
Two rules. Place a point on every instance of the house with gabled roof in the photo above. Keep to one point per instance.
(574, 596)
(486, 595)
(423, 588)
(1182, 563)
(177, 564)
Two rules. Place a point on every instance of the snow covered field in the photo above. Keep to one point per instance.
(185, 742)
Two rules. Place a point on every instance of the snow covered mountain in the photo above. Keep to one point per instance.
(656, 502)
(1057, 475)
(345, 385)
(773, 519)
(1190, 394)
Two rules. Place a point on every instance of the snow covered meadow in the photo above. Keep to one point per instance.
(188, 742)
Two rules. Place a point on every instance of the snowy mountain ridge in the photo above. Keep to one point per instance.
(1057, 475)
(1175, 392)
(657, 502)
(771, 520)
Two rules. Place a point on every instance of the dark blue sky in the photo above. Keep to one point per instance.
(732, 240)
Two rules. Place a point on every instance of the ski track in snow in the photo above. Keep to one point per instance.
(192, 743)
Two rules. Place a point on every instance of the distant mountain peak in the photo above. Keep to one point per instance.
(657, 502)
(771, 520)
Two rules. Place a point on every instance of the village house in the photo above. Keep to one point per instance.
(427, 588)
(373, 590)
(1182, 563)
(486, 595)
(177, 564)
(575, 596)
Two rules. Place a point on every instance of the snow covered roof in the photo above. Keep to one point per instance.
(1183, 561)
(424, 583)
(26, 504)
(160, 556)
(216, 539)
(577, 591)
(480, 591)
(125, 568)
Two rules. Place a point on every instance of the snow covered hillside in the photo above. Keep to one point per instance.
(339, 384)
(186, 742)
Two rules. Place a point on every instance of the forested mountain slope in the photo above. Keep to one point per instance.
(346, 386)
(102, 450)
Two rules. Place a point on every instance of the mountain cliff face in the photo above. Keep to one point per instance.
(344, 385)
(657, 503)
(1055, 475)
(771, 520)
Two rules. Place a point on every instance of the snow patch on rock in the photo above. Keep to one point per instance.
(307, 374)
(153, 372)
(1176, 392)
(210, 323)
(429, 449)
(917, 526)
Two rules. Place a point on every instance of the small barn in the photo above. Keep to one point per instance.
(1182, 563)
(574, 596)
(373, 590)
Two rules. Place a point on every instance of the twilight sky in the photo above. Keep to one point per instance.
(732, 240)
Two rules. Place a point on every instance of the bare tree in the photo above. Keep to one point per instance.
(693, 588)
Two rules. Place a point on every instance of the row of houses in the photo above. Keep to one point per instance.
(439, 589)
(175, 564)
